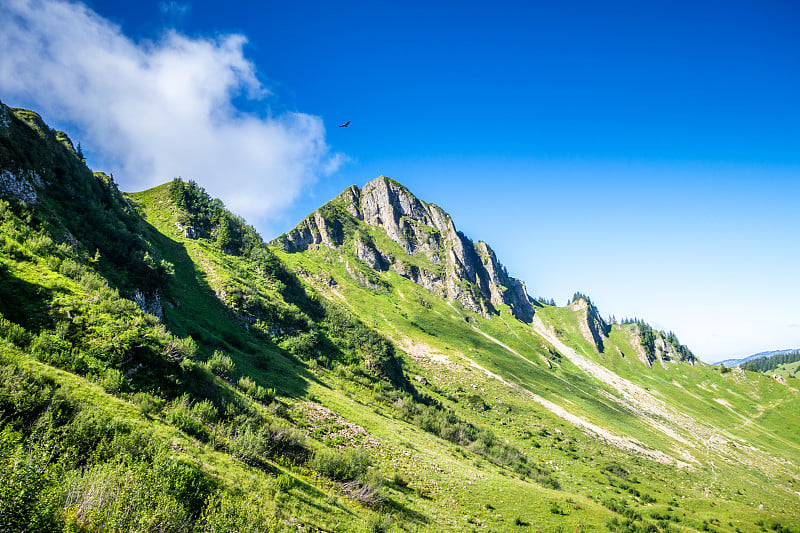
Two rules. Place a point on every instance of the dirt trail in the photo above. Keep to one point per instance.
(505, 346)
(633, 397)
(624, 443)
(423, 352)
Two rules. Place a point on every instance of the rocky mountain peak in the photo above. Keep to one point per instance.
(427, 248)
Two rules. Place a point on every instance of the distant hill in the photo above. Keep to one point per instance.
(740, 362)
(769, 364)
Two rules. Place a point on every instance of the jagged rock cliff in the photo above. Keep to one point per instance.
(653, 345)
(593, 328)
(423, 245)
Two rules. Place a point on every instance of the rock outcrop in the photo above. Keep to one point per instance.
(149, 302)
(20, 185)
(16, 183)
(659, 346)
(425, 246)
(593, 328)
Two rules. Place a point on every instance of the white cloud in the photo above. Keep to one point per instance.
(151, 111)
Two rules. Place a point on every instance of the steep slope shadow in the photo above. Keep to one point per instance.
(23, 302)
(191, 307)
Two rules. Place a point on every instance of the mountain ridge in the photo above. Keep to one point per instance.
(768, 353)
(457, 268)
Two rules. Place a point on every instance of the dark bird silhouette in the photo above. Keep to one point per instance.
(345, 124)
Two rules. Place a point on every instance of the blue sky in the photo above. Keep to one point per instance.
(645, 154)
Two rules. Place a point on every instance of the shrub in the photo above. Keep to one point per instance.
(237, 512)
(112, 381)
(251, 443)
(14, 333)
(163, 496)
(183, 416)
(399, 480)
(257, 392)
(379, 523)
(286, 442)
(70, 268)
(221, 364)
(261, 394)
(246, 383)
(178, 349)
(368, 489)
(302, 345)
(23, 396)
(89, 433)
(205, 411)
(51, 349)
(27, 499)
(148, 404)
(342, 465)
(615, 469)
(248, 446)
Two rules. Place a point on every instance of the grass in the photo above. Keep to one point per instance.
(787, 370)
(719, 403)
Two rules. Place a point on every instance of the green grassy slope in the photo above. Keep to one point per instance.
(788, 370)
(734, 430)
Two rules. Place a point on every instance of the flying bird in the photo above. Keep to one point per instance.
(345, 124)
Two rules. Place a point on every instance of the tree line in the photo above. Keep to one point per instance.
(769, 363)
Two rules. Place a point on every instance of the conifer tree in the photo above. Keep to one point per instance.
(224, 233)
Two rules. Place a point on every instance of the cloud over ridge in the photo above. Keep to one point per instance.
(151, 111)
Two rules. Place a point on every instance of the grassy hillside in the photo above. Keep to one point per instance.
(688, 415)
(166, 370)
(788, 370)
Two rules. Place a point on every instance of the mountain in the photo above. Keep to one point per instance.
(740, 362)
(388, 228)
(162, 368)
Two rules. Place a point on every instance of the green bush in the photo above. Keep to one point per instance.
(14, 333)
(112, 381)
(205, 411)
(87, 436)
(286, 442)
(246, 383)
(228, 512)
(23, 396)
(148, 404)
(164, 496)
(28, 492)
(179, 349)
(302, 345)
(368, 489)
(51, 349)
(257, 392)
(221, 364)
(184, 417)
(341, 465)
(249, 446)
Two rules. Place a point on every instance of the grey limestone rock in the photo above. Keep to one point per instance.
(449, 263)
